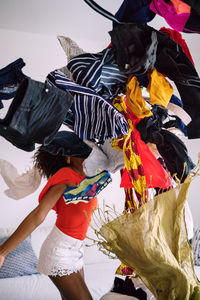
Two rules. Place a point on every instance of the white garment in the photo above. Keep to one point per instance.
(22, 185)
(60, 254)
(103, 157)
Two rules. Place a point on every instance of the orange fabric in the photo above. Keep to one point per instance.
(70, 218)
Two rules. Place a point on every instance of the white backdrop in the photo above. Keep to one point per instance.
(29, 32)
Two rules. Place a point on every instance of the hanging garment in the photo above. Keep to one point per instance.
(10, 78)
(87, 189)
(22, 185)
(134, 12)
(103, 157)
(170, 147)
(177, 38)
(35, 114)
(94, 117)
(159, 253)
(99, 72)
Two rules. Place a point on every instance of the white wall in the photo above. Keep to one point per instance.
(42, 53)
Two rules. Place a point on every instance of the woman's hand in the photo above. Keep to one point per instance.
(2, 258)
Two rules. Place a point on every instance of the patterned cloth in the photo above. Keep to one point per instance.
(87, 189)
(94, 117)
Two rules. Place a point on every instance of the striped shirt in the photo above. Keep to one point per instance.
(99, 72)
(94, 117)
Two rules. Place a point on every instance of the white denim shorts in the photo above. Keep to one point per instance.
(60, 254)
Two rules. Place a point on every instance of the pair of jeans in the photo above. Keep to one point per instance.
(35, 114)
(10, 78)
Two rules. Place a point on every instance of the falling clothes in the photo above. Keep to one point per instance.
(35, 114)
(87, 189)
(135, 47)
(194, 4)
(159, 88)
(70, 47)
(177, 37)
(170, 147)
(159, 253)
(174, 63)
(135, 100)
(140, 163)
(94, 117)
(103, 157)
(10, 78)
(176, 19)
(99, 72)
(22, 185)
(67, 143)
(134, 12)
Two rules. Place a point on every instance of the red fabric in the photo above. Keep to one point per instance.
(177, 37)
(70, 218)
(155, 174)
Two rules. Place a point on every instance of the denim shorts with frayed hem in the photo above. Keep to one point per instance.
(35, 114)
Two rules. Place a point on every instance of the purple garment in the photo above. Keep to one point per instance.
(168, 12)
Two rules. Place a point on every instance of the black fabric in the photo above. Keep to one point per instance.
(135, 47)
(35, 114)
(170, 147)
(193, 23)
(67, 143)
(126, 287)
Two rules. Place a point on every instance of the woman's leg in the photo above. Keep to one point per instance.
(72, 287)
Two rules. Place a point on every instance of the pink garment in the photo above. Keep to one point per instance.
(167, 10)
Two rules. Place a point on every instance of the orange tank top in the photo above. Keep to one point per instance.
(70, 217)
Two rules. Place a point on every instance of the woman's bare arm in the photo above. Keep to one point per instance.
(32, 221)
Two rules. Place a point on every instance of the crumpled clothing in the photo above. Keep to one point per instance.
(134, 12)
(35, 114)
(168, 11)
(159, 88)
(94, 117)
(140, 163)
(70, 47)
(135, 100)
(10, 79)
(170, 147)
(159, 253)
(135, 47)
(99, 72)
(87, 189)
(177, 37)
(22, 185)
(103, 157)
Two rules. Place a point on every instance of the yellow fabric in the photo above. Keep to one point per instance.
(134, 161)
(135, 100)
(153, 241)
(159, 88)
